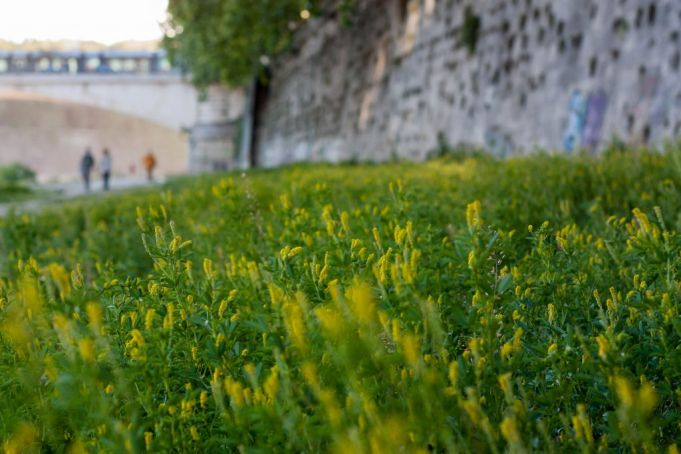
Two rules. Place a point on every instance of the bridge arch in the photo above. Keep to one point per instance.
(49, 135)
(147, 90)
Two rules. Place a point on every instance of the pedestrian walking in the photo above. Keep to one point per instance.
(87, 162)
(149, 162)
(105, 168)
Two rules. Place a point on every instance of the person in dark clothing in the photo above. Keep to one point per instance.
(105, 168)
(87, 162)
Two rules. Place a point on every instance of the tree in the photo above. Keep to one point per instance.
(230, 41)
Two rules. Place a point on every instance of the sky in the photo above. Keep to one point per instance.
(105, 21)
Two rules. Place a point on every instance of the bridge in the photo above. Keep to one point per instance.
(139, 84)
(81, 62)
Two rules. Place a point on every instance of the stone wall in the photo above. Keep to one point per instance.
(552, 74)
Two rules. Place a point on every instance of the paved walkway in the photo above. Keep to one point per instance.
(58, 192)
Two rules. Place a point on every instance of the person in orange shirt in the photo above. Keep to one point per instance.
(149, 162)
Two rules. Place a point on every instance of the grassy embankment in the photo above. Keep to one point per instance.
(456, 305)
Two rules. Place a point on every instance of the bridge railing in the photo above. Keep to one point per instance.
(77, 62)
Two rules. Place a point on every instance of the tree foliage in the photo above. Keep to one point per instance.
(229, 41)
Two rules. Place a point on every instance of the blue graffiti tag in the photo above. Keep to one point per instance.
(576, 120)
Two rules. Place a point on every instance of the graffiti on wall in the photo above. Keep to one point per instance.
(586, 115)
(498, 143)
(595, 115)
(575, 127)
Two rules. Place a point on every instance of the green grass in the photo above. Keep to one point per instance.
(458, 305)
(15, 193)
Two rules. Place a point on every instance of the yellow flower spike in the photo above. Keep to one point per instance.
(137, 337)
(61, 278)
(334, 290)
(235, 391)
(94, 315)
(597, 296)
(625, 392)
(610, 304)
(323, 274)
(647, 398)
(398, 235)
(505, 382)
(551, 312)
(453, 373)
(355, 243)
(86, 347)
(362, 304)
(553, 348)
(333, 411)
(407, 273)
(672, 449)
(309, 372)
(149, 319)
(509, 430)
(276, 294)
(249, 368)
(395, 330)
(295, 324)
(584, 424)
(168, 320)
(642, 220)
(222, 308)
(517, 339)
(283, 254)
(666, 300)
(194, 433)
(285, 201)
(217, 375)
(154, 288)
(414, 260)
(148, 439)
(294, 252)
(208, 267)
(330, 320)
(506, 351)
(109, 389)
(271, 385)
(404, 375)
(411, 349)
(471, 260)
(477, 298)
(473, 217)
(377, 236)
(603, 347)
(345, 221)
(577, 427)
